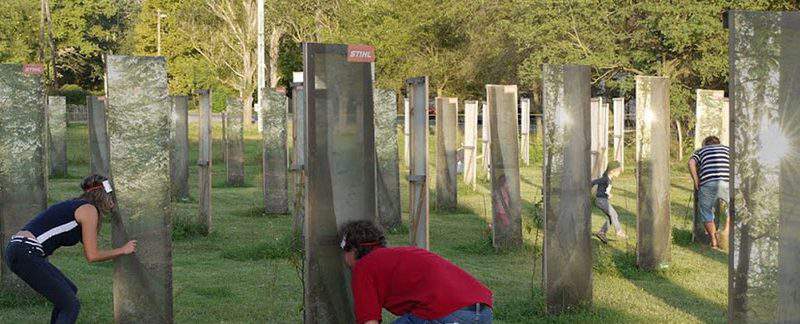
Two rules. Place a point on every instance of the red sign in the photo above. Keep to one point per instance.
(32, 69)
(360, 53)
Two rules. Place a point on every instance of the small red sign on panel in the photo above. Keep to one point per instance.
(32, 69)
(360, 53)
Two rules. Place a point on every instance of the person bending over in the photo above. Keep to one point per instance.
(603, 201)
(412, 283)
(63, 224)
(710, 168)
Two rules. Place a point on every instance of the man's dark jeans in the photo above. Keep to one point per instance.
(32, 267)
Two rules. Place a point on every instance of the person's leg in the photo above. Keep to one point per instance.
(614, 218)
(409, 319)
(603, 205)
(706, 199)
(48, 281)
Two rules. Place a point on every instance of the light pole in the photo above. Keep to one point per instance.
(159, 15)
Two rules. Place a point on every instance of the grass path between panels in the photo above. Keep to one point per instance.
(245, 273)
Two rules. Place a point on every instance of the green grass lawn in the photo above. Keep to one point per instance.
(243, 273)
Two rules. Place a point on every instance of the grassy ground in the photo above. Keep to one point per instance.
(244, 273)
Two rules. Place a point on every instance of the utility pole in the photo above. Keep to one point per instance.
(261, 64)
(159, 15)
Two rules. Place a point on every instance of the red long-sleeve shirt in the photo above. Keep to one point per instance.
(411, 280)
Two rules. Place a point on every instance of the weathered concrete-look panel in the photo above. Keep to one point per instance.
(23, 159)
(57, 120)
(341, 173)
(471, 143)
(418, 213)
(712, 116)
(98, 135)
(765, 191)
(654, 234)
(204, 161)
(139, 136)
(276, 200)
(234, 140)
(506, 201)
(567, 263)
(525, 130)
(485, 139)
(619, 131)
(179, 153)
(446, 145)
(298, 158)
(406, 131)
(388, 180)
(599, 137)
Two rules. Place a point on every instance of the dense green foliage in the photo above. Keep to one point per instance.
(461, 44)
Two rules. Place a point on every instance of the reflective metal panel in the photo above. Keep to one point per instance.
(388, 180)
(23, 157)
(139, 136)
(506, 202)
(470, 143)
(179, 155)
(341, 173)
(567, 260)
(652, 172)
(204, 161)
(234, 139)
(764, 49)
(57, 120)
(274, 158)
(446, 145)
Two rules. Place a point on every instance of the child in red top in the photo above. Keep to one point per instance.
(413, 283)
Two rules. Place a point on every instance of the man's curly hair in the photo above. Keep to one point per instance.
(361, 236)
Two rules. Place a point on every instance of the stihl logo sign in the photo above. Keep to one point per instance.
(360, 53)
(32, 69)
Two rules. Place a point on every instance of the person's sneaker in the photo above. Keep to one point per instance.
(602, 237)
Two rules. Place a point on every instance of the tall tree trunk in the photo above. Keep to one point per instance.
(274, 49)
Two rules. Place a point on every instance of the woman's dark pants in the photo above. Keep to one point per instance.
(31, 266)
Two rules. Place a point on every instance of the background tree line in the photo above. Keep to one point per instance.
(461, 44)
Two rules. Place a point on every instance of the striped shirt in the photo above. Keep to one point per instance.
(713, 163)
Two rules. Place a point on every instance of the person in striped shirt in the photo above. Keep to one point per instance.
(710, 170)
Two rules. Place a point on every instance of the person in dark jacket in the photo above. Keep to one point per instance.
(603, 201)
(63, 224)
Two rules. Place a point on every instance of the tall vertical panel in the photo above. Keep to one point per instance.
(619, 131)
(23, 159)
(388, 179)
(224, 139)
(485, 127)
(298, 157)
(204, 161)
(567, 263)
(470, 143)
(765, 99)
(139, 137)
(179, 154)
(446, 143)
(506, 202)
(712, 116)
(406, 131)
(525, 130)
(57, 119)
(417, 90)
(652, 172)
(599, 137)
(98, 135)
(234, 139)
(341, 173)
(276, 200)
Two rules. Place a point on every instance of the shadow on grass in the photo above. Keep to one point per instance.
(661, 287)
(532, 310)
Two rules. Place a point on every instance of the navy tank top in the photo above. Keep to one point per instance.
(56, 226)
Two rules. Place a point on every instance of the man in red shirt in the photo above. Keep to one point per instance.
(417, 285)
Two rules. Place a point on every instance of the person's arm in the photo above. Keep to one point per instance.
(365, 297)
(693, 173)
(372, 322)
(87, 216)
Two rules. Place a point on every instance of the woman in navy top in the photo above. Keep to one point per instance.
(63, 224)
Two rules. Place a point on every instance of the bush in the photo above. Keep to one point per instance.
(74, 93)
